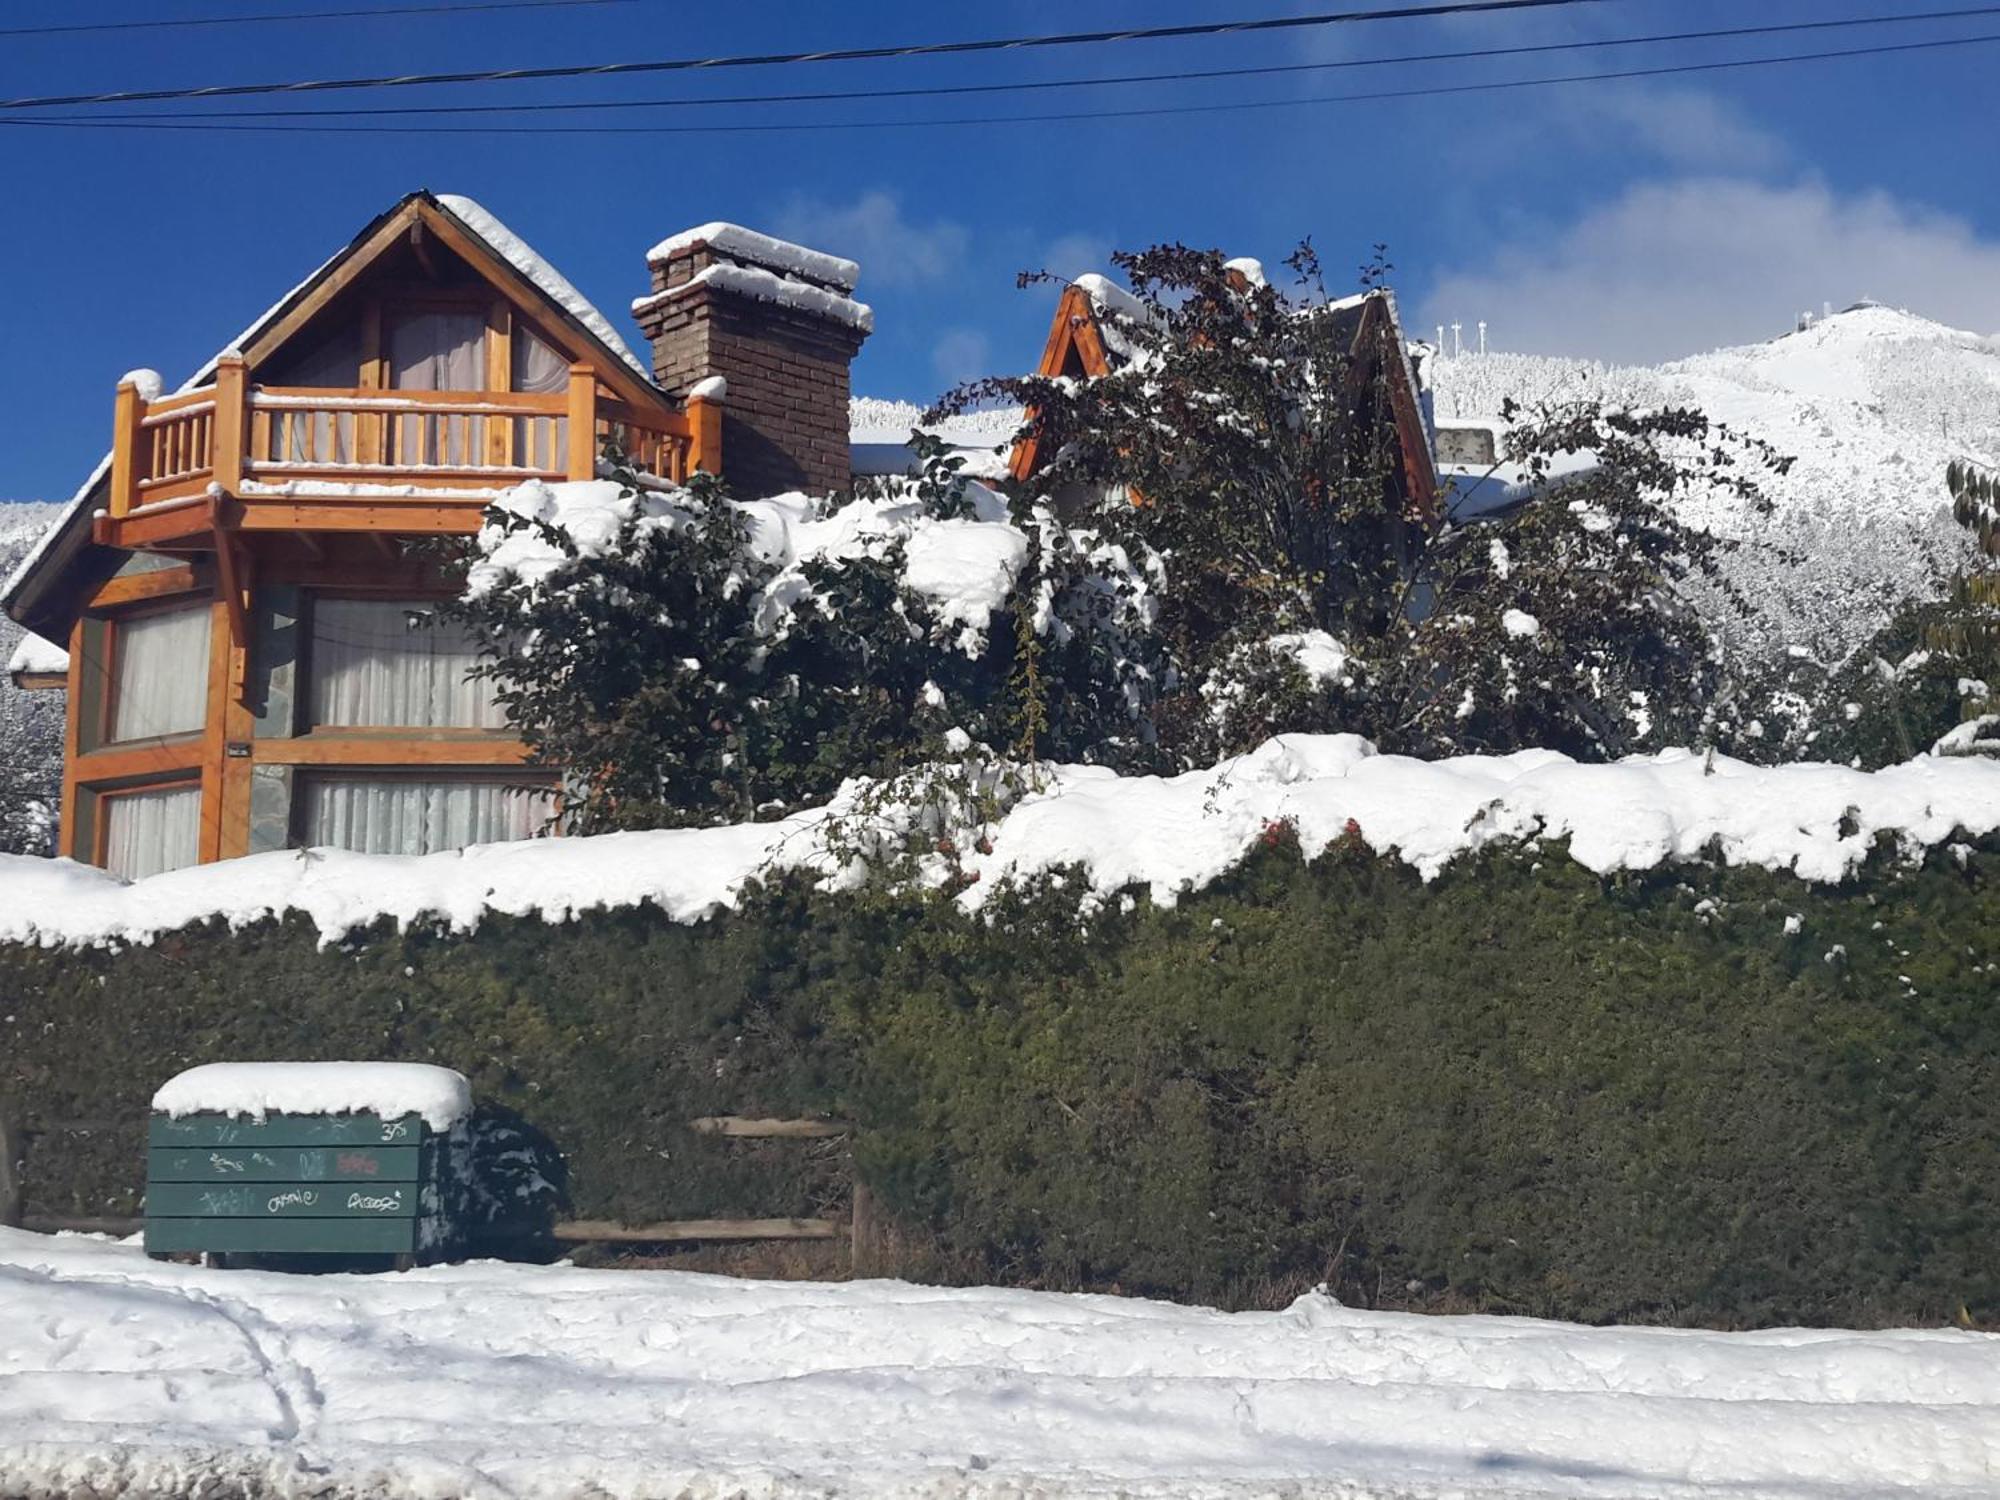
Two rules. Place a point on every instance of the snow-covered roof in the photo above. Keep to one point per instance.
(257, 1089)
(35, 657)
(518, 253)
(765, 250)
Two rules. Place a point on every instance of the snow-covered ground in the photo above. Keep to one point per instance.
(1165, 834)
(1871, 403)
(119, 1376)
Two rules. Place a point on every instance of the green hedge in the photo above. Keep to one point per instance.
(1519, 1087)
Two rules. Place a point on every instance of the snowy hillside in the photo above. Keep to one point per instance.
(1871, 403)
(30, 723)
(878, 430)
(125, 1377)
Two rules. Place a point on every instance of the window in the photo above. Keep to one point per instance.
(438, 351)
(394, 663)
(539, 442)
(147, 832)
(159, 679)
(396, 815)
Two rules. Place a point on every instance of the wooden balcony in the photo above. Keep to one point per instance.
(248, 457)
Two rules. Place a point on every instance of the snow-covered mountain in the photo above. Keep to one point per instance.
(1870, 404)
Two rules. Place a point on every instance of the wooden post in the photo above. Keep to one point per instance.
(10, 1154)
(861, 1231)
(126, 435)
(582, 422)
(229, 440)
(704, 435)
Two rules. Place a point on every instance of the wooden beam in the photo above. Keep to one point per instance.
(704, 435)
(582, 421)
(751, 1128)
(423, 250)
(133, 588)
(681, 1231)
(388, 751)
(72, 740)
(128, 412)
(128, 762)
(228, 439)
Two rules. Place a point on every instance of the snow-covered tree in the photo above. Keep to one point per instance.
(1244, 440)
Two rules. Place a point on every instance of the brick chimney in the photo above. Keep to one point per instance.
(775, 322)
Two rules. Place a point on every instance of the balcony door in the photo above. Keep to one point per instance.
(437, 349)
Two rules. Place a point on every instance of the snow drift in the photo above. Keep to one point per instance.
(123, 1377)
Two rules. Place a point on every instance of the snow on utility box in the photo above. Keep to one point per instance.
(306, 1159)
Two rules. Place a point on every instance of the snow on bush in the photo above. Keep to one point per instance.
(1165, 835)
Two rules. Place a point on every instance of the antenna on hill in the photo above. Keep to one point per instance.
(1457, 340)
(1482, 338)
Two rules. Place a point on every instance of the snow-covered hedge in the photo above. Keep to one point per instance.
(1161, 835)
(1693, 1091)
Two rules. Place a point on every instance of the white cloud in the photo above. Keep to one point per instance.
(1671, 268)
(872, 230)
(962, 354)
(1685, 128)
(1074, 254)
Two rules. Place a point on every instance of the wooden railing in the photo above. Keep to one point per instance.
(259, 442)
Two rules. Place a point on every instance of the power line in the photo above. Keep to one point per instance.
(1041, 85)
(848, 54)
(82, 122)
(304, 15)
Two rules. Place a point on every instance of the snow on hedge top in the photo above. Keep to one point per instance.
(1168, 835)
(518, 253)
(765, 250)
(964, 568)
(35, 655)
(390, 1090)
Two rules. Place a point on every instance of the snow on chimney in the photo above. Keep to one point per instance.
(776, 322)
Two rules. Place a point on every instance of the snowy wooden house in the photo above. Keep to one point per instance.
(1083, 342)
(255, 655)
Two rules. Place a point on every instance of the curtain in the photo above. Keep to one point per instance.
(317, 437)
(539, 442)
(417, 817)
(439, 351)
(160, 674)
(148, 832)
(396, 663)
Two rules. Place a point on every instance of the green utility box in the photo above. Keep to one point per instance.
(299, 1182)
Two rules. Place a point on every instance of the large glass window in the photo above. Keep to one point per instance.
(395, 815)
(389, 663)
(148, 832)
(539, 442)
(159, 679)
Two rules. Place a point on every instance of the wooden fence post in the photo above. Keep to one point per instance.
(582, 422)
(861, 1231)
(10, 1155)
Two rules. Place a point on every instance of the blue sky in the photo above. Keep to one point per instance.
(1631, 220)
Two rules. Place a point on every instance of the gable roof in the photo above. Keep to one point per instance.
(1084, 343)
(35, 594)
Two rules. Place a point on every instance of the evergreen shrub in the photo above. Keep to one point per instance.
(1698, 1095)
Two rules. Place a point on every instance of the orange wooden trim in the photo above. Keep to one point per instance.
(227, 439)
(167, 405)
(427, 517)
(127, 412)
(221, 650)
(39, 682)
(135, 588)
(582, 395)
(301, 398)
(124, 762)
(704, 435)
(72, 743)
(182, 527)
(390, 748)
